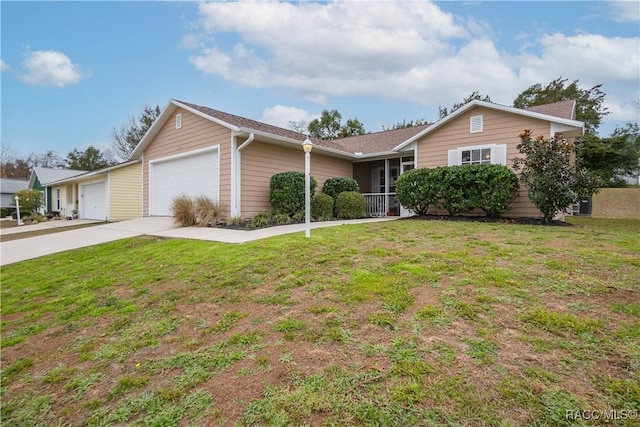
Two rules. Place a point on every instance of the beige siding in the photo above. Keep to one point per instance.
(66, 199)
(195, 133)
(125, 191)
(498, 128)
(261, 160)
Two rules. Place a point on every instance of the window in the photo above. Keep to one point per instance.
(178, 121)
(490, 154)
(57, 199)
(478, 156)
(476, 124)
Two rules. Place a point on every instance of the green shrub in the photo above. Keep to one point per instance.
(30, 200)
(182, 211)
(286, 192)
(495, 186)
(3, 212)
(322, 207)
(350, 205)
(417, 189)
(280, 219)
(206, 211)
(335, 186)
(456, 191)
(261, 220)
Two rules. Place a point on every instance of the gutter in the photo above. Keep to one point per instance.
(247, 142)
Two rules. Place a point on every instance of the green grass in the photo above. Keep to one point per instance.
(397, 323)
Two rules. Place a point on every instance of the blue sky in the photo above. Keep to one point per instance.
(74, 71)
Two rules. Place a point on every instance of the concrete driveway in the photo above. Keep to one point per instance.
(34, 247)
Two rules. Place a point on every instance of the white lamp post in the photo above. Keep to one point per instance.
(307, 146)
(18, 210)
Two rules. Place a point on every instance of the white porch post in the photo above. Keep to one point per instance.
(386, 186)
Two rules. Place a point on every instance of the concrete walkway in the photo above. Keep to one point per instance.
(34, 247)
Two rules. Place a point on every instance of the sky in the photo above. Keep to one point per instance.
(72, 72)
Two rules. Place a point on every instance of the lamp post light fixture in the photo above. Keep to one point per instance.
(307, 146)
(18, 211)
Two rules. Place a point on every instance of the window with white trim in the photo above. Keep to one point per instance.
(476, 156)
(490, 154)
(178, 121)
(57, 199)
(476, 124)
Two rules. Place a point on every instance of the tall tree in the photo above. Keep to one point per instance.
(406, 124)
(87, 160)
(613, 157)
(329, 126)
(48, 159)
(589, 102)
(444, 112)
(125, 139)
(12, 165)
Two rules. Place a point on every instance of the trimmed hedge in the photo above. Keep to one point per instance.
(286, 192)
(350, 205)
(336, 185)
(322, 207)
(458, 189)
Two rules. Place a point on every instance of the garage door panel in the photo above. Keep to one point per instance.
(94, 201)
(192, 175)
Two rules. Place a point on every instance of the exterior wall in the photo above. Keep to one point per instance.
(195, 133)
(261, 160)
(125, 192)
(498, 128)
(616, 203)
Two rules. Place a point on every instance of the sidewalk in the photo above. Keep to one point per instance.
(47, 225)
(34, 247)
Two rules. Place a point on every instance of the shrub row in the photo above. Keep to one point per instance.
(340, 197)
(458, 189)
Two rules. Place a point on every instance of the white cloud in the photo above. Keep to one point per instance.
(4, 66)
(50, 68)
(281, 115)
(625, 11)
(408, 51)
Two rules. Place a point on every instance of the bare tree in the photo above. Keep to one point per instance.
(126, 138)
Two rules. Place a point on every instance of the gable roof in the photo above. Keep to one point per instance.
(85, 175)
(497, 107)
(352, 147)
(47, 175)
(562, 109)
(11, 186)
(378, 142)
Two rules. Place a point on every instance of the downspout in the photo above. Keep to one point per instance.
(238, 178)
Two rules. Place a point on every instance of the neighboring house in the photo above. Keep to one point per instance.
(196, 150)
(113, 193)
(41, 179)
(9, 188)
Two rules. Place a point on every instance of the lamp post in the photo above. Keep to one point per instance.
(18, 210)
(307, 146)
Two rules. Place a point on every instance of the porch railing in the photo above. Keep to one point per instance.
(376, 204)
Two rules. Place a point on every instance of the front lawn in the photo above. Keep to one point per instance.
(396, 323)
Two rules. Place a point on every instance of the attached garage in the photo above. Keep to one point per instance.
(93, 201)
(193, 174)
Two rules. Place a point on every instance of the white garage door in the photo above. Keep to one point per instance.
(93, 201)
(192, 175)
